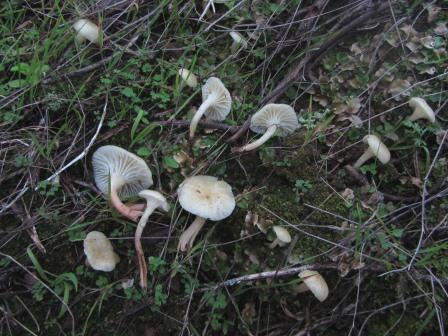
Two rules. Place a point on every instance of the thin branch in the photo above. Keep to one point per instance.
(265, 275)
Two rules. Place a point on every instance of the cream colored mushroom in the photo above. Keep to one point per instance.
(421, 110)
(272, 119)
(375, 149)
(154, 200)
(99, 252)
(207, 198)
(188, 78)
(86, 30)
(216, 103)
(127, 175)
(282, 237)
(238, 41)
(315, 283)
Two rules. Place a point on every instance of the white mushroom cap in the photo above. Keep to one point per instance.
(222, 104)
(188, 77)
(282, 234)
(86, 30)
(421, 110)
(316, 284)
(207, 197)
(155, 198)
(99, 251)
(377, 148)
(238, 39)
(129, 174)
(280, 115)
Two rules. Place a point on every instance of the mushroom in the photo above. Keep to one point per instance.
(238, 40)
(86, 30)
(216, 103)
(154, 200)
(315, 283)
(207, 198)
(376, 149)
(421, 110)
(99, 251)
(188, 77)
(283, 237)
(272, 119)
(125, 173)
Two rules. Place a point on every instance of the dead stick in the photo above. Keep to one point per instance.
(266, 275)
(208, 124)
(243, 129)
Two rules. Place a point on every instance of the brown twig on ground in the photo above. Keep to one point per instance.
(356, 175)
(243, 129)
(28, 224)
(266, 275)
(208, 124)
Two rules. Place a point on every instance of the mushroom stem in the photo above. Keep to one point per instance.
(274, 243)
(123, 209)
(257, 143)
(189, 235)
(138, 244)
(200, 112)
(367, 155)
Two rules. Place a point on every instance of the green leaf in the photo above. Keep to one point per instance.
(17, 83)
(397, 232)
(23, 68)
(170, 162)
(36, 264)
(128, 92)
(382, 239)
(71, 277)
(144, 152)
(136, 122)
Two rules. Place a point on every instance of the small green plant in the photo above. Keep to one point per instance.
(303, 185)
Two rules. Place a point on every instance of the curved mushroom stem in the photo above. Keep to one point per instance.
(189, 235)
(136, 206)
(138, 244)
(122, 208)
(257, 143)
(200, 112)
(414, 116)
(367, 155)
(274, 243)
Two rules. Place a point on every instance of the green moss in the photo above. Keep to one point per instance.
(322, 197)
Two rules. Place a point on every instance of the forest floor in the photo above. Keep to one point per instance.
(378, 235)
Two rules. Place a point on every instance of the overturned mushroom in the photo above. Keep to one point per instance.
(216, 103)
(188, 78)
(207, 198)
(272, 119)
(421, 110)
(314, 282)
(86, 30)
(283, 237)
(99, 252)
(154, 200)
(376, 149)
(125, 173)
